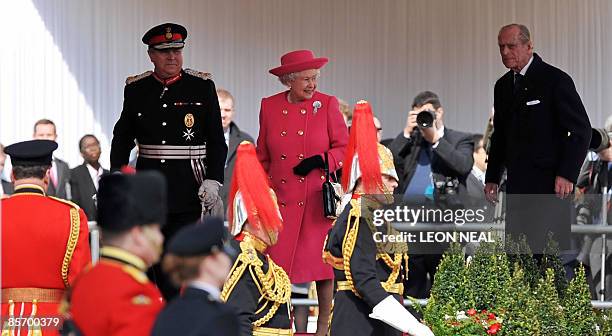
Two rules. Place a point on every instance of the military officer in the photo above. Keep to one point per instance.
(197, 261)
(44, 241)
(257, 287)
(173, 115)
(115, 297)
(368, 274)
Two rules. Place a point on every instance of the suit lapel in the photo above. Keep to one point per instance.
(234, 141)
(85, 175)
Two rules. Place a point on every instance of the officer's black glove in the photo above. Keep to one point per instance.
(308, 164)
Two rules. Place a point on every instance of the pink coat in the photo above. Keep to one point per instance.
(288, 133)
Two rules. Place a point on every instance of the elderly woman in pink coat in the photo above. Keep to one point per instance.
(296, 128)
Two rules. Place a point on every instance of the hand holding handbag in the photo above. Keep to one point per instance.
(331, 189)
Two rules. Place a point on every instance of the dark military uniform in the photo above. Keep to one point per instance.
(195, 312)
(260, 290)
(365, 273)
(198, 311)
(178, 130)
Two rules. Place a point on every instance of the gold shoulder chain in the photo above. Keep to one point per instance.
(277, 288)
(348, 243)
(71, 245)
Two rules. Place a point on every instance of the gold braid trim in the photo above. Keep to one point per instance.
(274, 286)
(71, 244)
(395, 265)
(277, 288)
(348, 243)
(243, 260)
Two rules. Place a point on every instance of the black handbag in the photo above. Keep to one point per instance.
(330, 188)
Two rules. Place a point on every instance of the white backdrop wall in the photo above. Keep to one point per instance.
(67, 59)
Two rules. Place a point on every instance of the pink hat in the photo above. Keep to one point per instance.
(298, 60)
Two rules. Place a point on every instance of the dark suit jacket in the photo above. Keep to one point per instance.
(541, 132)
(452, 157)
(236, 137)
(63, 180)
(83, 189)
(194, 313)
(475, 188)
(7, 187)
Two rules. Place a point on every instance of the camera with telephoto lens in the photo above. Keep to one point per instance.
(425, 119)
(600, 139)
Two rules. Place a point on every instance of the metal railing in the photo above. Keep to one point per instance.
(597, 229)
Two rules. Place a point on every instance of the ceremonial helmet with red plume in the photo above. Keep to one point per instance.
(366, 159)
(251, 198)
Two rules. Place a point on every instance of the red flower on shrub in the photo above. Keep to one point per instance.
(471, 312)
(493, 329)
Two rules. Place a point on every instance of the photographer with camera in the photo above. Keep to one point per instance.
(432, 161)
(594, 180)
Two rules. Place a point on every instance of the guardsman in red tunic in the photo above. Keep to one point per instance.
(115, 296)
(44, 244)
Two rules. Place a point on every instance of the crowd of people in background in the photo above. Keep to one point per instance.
(198, 162)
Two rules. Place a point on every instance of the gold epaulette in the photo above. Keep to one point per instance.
(61, 200)
(200, 74)
(135, 273)
(135, 78)
(75, 228)
(247, 257)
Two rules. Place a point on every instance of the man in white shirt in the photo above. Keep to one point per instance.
(84, 178)
(59, 184)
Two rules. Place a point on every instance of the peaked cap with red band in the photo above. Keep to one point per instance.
(165, 36)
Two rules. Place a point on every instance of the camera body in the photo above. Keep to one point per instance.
(425, 119)
(446, 192)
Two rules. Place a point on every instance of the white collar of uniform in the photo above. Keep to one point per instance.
(213, 291)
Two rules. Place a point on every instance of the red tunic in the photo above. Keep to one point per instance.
(45, 244)
(115, 297)
(288, 133)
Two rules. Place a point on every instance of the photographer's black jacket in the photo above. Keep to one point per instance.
(451, 158)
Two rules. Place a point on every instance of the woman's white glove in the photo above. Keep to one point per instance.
(394, 314)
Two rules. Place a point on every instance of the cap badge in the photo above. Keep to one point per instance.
(189, 120)
(168, 33)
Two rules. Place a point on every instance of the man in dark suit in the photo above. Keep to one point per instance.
(6, 188)
(424, 156)
(59, 185)
(84, 178)
(233, 137)
(197, 261)
(541, 137)
(475, 180)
